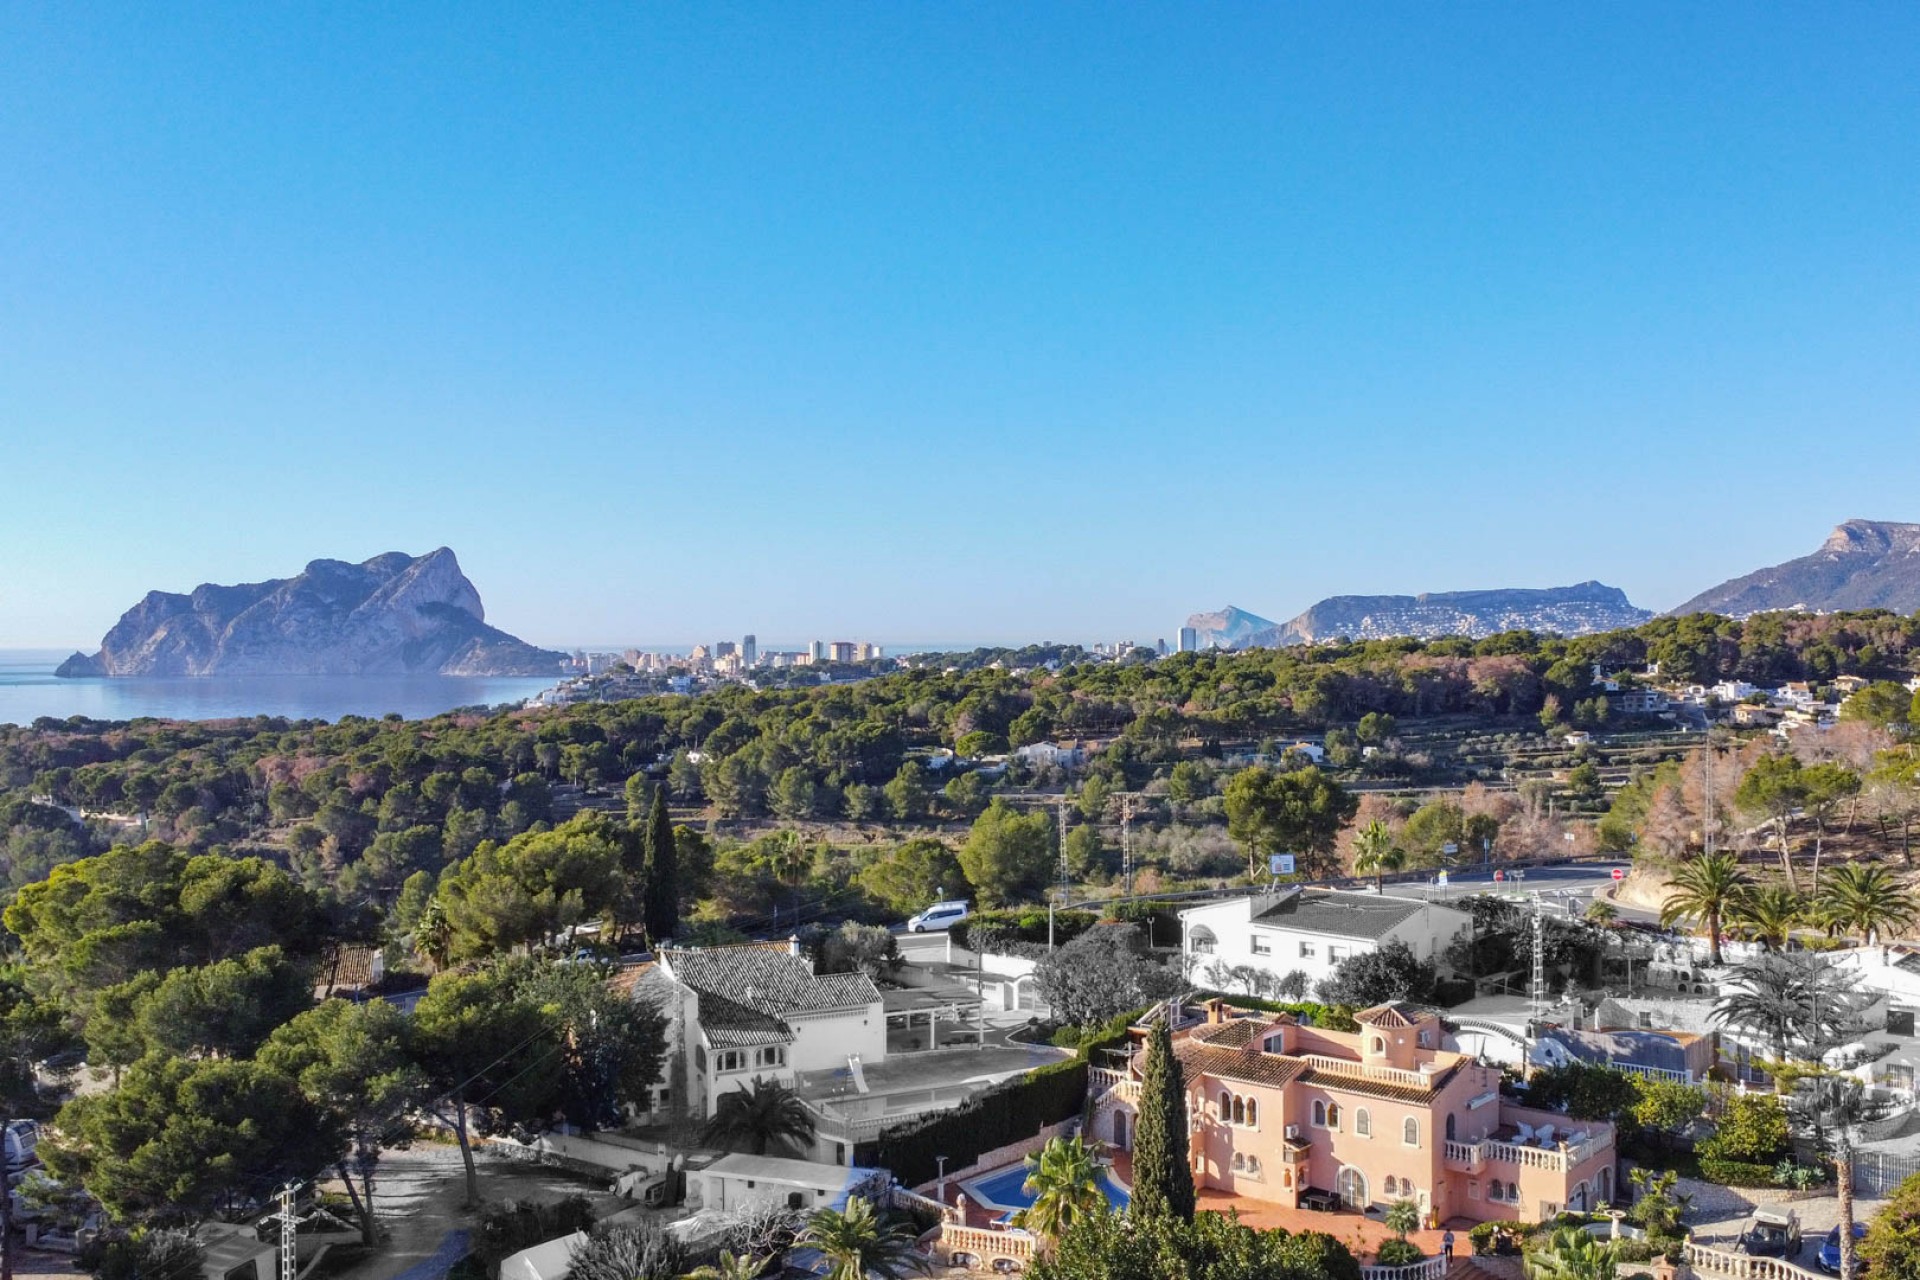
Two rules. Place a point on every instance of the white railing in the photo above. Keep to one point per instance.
(1367, 1070)
(1740, 1266)
(1475, 1154)
(1654, 1073)
(983, 1246)
(902, 1196)
(1430, 1269)
(1102, 1082)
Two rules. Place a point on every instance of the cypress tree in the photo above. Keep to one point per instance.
(663, 873)
(1162, 1162)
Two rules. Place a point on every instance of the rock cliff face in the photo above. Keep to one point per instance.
(1575, 610)
(393, 615)
(1863, 564)
(1234, 628)
(1569, 611)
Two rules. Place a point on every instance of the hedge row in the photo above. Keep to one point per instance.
(1018, 932)
(1737, 1173)
(997, 1117)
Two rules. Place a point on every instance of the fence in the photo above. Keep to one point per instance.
(1876, 1173)
(1431, 1269)
(1740, 1266)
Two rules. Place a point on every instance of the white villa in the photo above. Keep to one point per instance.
(1312, 930)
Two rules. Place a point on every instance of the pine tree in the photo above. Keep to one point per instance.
(663, 874)
(1162, 1172)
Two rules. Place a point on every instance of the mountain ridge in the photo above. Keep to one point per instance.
(1863, 564)
(1580, 609)
(394, 614)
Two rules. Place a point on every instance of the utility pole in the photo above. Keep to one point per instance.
(6, 1201)
(1126, 839)
(1061, 892)
(1538, 996)
(289, 1244)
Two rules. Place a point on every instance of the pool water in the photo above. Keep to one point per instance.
(1003, 1190)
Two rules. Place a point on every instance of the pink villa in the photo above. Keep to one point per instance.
(1301, 1117)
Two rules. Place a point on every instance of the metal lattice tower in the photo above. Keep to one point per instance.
(289, 1245)
(1537, 998)
(1126, 841)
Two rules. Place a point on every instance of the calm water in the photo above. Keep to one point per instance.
(29, 689)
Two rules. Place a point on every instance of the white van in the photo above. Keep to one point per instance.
(941, 915)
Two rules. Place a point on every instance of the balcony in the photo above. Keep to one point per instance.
(1422, 1079)
(1475, 1156)
(1103, 1082)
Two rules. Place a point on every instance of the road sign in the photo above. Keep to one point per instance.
(1449, 848)
(1498, 876)
(1441, 879)
(1280, 864)
(1619, 873)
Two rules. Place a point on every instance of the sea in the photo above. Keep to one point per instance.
(30, 690)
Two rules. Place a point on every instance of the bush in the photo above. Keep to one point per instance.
(1400, 1253)
(1736, 1173)
(1021, 933)
(1750, 1129)
(1482, 1234)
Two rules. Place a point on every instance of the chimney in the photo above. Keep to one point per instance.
(1216, 1010)
(793, 944)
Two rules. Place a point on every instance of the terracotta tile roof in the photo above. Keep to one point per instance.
(1236, 1033)
(1247, 1065)
(1397, 1014)
(627, 978)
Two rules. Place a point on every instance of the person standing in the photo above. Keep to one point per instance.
(1446, 1247)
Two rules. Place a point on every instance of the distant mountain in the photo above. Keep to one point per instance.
(1569, 611)
(392, 615)
(1234, 628)
(1863, 564)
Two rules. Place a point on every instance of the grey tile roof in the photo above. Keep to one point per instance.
(1634, 1048)
(1340, 915)
(747, 991)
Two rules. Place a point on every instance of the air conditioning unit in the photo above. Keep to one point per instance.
(1293, 1132)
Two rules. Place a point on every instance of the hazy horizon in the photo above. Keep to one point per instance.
(867, 321)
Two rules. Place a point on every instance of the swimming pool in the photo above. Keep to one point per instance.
(1002, 1189)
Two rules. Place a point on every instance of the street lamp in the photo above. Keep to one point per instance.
(940, 1192)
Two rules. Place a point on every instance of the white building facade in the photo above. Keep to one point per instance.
(1312, 931)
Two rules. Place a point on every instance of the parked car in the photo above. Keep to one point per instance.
(1771, 1233)
(1829, 1256)
(941, 915)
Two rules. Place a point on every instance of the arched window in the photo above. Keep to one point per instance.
(1390, 1187)
(1379, 1045)
(1239, 1111)
(1495, 1191)
(1363, 1122)
(1333, 1115)
(1253, 1111)
(1202, 940)
(1410, 1131)
(1449, 1128)
(1320, 1112)
(1226, 1105)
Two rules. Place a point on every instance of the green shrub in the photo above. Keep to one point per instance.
(1482, 1234)
(1736, 1173)
(1751, 1128)
(1067, 1037)
(1634, 1250)
(1400, 1253)
(1021, 933)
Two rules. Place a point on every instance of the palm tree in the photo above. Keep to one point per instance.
(763, 1117)
(730, 1266)
(1374, 851)
(1767, 916)
(1834, 1110)
(1798, 1001)
(1402, 1216)
(1602, 913)
(858, 1244)
(1065, 1181)
(1571, 1254)
(1868, 900)
(1705, 888)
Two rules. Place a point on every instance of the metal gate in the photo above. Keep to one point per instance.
(1876, 1174)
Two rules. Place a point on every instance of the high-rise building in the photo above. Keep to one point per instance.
(819, 650)
(841, 651)
(750, 650)
(1189, 640)
(722, 648)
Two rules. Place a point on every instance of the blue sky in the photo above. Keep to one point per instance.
(956, 322)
